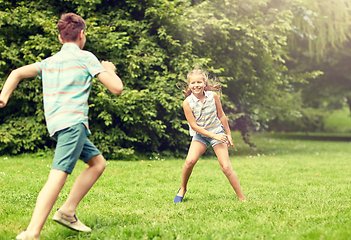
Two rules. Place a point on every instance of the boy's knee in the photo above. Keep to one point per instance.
(98, 162)
(102, 165)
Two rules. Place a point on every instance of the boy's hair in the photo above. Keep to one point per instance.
(210, 85)
(69, 26)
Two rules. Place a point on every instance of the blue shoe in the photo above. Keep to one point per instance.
(178, 199)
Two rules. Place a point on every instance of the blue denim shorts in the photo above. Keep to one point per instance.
(207, 140)
(72, 144)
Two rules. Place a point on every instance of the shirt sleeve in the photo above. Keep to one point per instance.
(39, 67)
(94, 66)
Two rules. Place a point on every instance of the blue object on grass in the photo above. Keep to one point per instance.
(178, 199)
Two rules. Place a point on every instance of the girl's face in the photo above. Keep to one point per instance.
(197, 84)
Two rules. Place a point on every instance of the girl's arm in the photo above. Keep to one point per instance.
(13, 79)
(223, 118)
(192, 122)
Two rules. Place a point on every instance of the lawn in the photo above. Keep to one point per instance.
(298, 187)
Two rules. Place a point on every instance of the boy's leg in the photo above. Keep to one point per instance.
(83, 184)
(196, 149)
(68, 149)
(221, 151)
(45, 201)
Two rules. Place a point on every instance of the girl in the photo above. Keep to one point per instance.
(206, 119)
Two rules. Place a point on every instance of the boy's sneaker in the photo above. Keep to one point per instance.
(24, 236)
(71, 222)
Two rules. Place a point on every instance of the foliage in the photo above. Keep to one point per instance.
(147, 117)
(329, 90)
(317, 43)
(247, 42)
(23, 134)
(338, 121)
(154, 43)
(321, 41)
(137, 37)
(323, 25)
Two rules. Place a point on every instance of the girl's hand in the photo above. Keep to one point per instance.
(230, 141)
(221, 137)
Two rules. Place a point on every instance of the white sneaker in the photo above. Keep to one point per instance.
(24, 236)
(71, 222)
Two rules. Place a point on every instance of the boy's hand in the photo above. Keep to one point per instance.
(110, 79)
(109, 66)
(2, 103)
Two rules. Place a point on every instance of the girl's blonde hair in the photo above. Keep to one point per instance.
(211, 85)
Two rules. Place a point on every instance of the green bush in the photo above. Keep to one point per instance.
(153, 44)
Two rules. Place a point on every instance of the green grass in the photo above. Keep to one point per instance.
(298, 187)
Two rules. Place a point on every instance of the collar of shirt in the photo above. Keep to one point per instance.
(70, 45)
(195, 99)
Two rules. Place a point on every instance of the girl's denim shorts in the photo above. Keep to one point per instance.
(207, 140)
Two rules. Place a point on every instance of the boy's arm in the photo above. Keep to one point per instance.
(110, 78)
(13, 79)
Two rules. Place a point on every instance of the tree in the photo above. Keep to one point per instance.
(137, 37)
(246, 42)
(153, 43)
(321, 42)
(322, 24)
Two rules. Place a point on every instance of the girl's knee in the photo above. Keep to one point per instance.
(227, 170)
(190, 163)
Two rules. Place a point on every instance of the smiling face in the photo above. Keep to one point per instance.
(197, 84)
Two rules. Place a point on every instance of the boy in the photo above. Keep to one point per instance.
(67, 78)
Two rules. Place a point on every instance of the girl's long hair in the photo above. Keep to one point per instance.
(211, 84)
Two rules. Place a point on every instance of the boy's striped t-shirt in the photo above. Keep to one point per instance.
(66, 79)
(205, 113)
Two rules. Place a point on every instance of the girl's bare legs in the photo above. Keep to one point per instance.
(45, 201)
(196, 149)
(83, 184)
(221, 151)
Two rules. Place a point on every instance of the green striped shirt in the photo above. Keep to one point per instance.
(67, 78)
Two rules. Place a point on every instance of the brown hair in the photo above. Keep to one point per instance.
(69, 26)
(211, 85)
